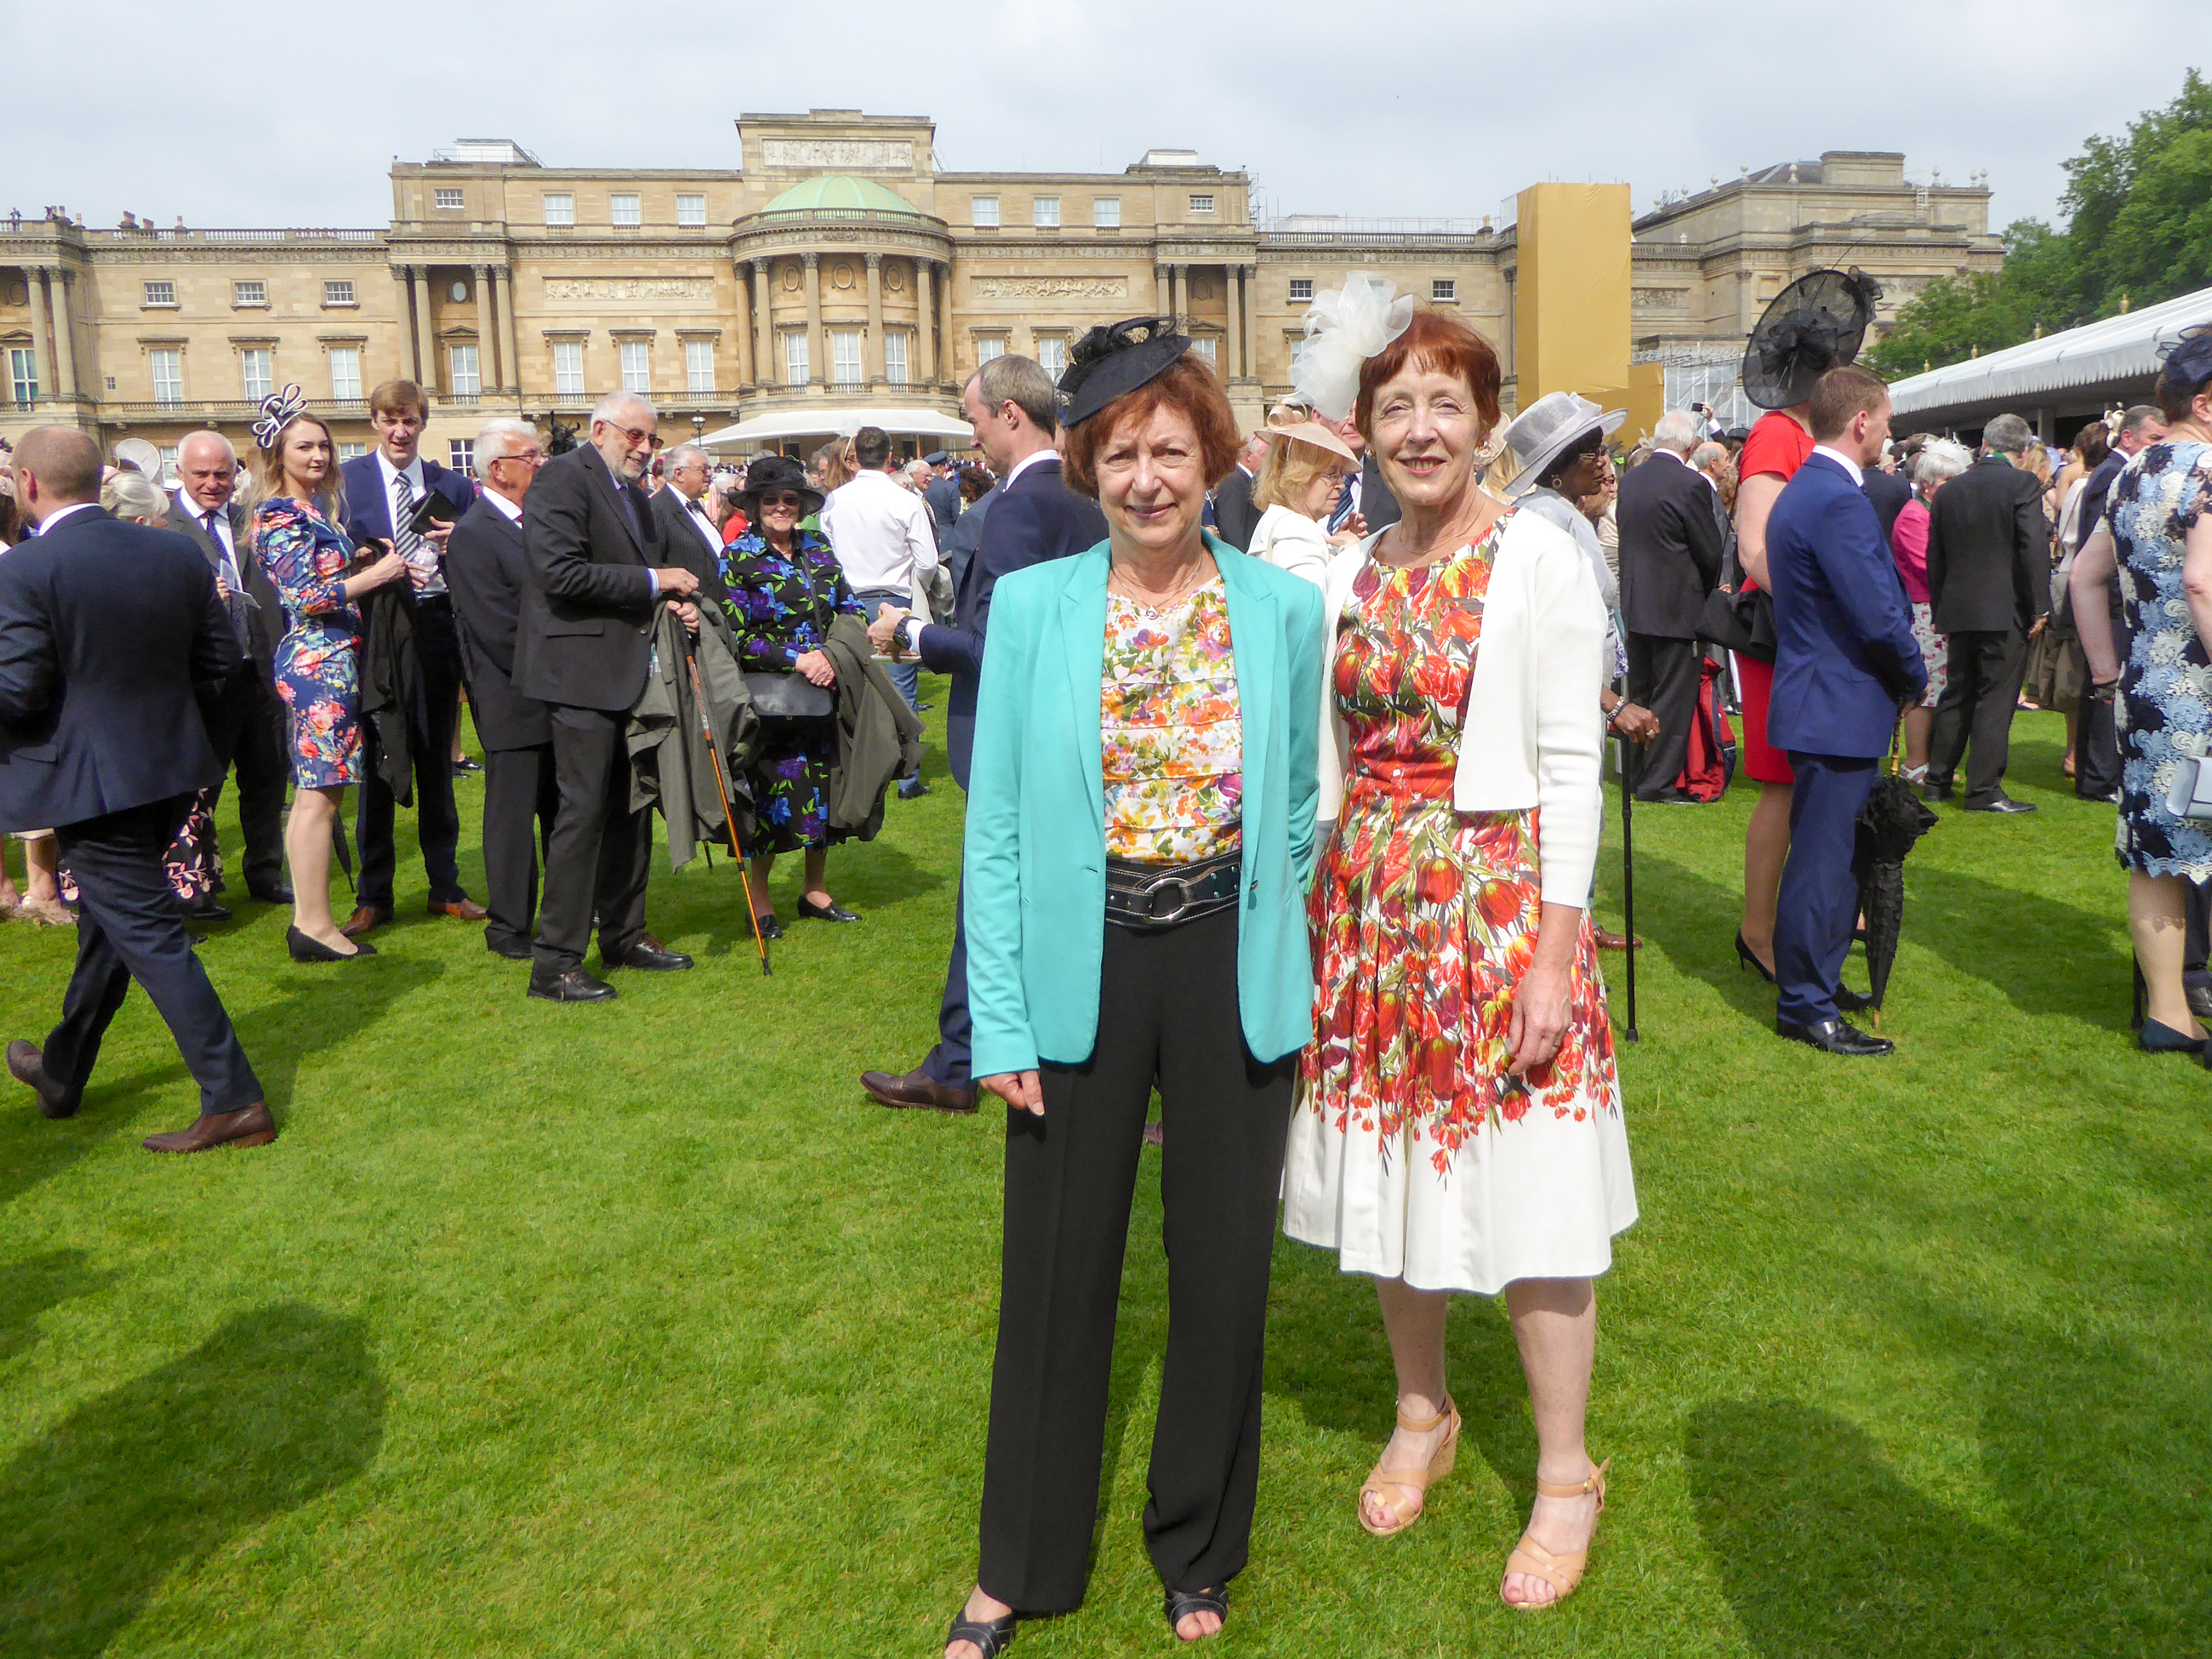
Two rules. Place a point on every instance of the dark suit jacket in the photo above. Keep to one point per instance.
(943, 499)
(1670, 548)
(584, 637)
(258, 625)
(1376, 504)
(1989, 550)
(684, 547)
(1034, 519)
(105, 627)
(368, 509)
(488, 568)
(1235, 517)
(958, 544)
(1889, 495)
(2097, 492)
(1845, 656)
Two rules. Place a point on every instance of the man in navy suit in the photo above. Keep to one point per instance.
(106, 631)
(1014, 407)
(393, 474)
(1845, 666)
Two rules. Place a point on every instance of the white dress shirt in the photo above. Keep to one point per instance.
(694, 515)
(914, 629)
(52, 520)
(512, 509)
(216, 522)
(428, 567)
(880, 532)
(1858, 472)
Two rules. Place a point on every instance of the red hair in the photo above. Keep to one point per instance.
(1441, 342)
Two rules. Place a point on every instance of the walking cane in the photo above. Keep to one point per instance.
(729, 818)
(1628, 879)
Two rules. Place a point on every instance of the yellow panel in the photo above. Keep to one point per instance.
(1571, 300)
(1647, 401)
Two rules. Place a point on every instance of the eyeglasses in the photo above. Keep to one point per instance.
(638, 435)
(527, 456)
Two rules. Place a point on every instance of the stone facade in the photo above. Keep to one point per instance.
(834, 270)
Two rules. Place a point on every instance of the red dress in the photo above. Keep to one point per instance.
(1779, 446)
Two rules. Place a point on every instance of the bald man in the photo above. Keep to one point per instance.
(105, 628)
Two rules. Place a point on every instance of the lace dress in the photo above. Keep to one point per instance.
(2164, 709)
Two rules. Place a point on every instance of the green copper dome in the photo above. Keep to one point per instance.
(840, 192)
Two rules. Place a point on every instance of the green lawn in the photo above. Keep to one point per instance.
(634, 1329)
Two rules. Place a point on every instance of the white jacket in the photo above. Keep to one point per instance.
(1290, 541)
(1529, 738)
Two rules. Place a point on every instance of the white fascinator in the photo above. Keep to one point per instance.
(1346, 326)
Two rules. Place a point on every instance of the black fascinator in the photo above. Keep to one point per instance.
(2186, 364)
(1816, 323)
(1114, 359)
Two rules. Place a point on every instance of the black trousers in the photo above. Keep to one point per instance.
(2097, 737)
(127, 928)
(430, 738)
(522, 799)
(247, 725)
(948, 1061)
(600, 853)
(1662, 676)
(1167, 1014)
(1979, 698)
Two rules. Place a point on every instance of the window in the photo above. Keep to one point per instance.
(568, 368)
(1297, 353)
(168, 364)
(160, 294)
(1208, 348)
(622, 209)
(894, 358)
(447, 200)
(257, 377)
(844, 355)
(1106, 212)
(698, 365)
(983, 212)
(352, 452)
(988, 346)
(690, 209)
(338, 293)
(1443, 287)
(560, 207)
(794, 356)
(1052, 355)
(1044, 212)
(24, 374)
(1301, 289)
(168, 463)
(345, 374)
(637, 365)
(458, 458)
(252, 291)
(1201, 203)
(462, 377)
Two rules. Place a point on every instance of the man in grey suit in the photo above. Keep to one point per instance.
(246, 721)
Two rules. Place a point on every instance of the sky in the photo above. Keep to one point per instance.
(1424, 108)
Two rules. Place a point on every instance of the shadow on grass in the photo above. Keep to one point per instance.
(276, 1408)
(31, 1286)
(2046, 957)
(330, 1006)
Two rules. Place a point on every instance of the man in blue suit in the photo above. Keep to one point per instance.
(1014, 408)
(108, 630)
(393, 473)
(1845, 666)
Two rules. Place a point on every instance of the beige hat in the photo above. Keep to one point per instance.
(1307, 432)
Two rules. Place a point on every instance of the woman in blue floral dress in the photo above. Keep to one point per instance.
(319, 574)
(785, 589)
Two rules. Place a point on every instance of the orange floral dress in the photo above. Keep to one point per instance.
(1413, 1152)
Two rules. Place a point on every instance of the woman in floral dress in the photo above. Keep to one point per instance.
(1460, 1128)
(785, 589)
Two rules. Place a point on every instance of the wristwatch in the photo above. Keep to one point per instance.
(902, 636)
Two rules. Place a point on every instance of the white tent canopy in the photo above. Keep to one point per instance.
(2116, 349)
(839, 422)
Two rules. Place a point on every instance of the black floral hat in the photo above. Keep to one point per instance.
(770, 473)
(1816, 323)
(1113, 359)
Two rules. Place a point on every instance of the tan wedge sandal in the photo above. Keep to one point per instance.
(1405, 1510)
(1561, 1572)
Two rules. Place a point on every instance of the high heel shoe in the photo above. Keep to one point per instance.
(1561, 1572)
(304, 949)
(1416, 1484)
(1743, 956)
(2158, 1038)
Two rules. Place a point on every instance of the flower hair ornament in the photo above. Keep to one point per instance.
(278, 409)
(1346, 326)
(1113, 360)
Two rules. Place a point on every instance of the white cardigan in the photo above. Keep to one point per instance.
(1290, 541)
(1530, 738)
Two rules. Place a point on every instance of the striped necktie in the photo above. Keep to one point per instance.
(409, 545)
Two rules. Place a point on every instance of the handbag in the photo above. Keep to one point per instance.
(1739, 618)
(789, 697)
(2190, 796)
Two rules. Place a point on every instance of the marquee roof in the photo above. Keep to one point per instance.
(2116, 349)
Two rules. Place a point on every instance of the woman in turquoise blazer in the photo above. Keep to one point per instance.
(1140, 826)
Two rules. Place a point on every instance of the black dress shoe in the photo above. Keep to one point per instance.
(810, 911)
(771, 928)
(574, 986)
(515, 949)
(1938, 792)
(279, 894)
(463, 766)
(206, 907)
(2002, 803)
(649, 956)
(1834, 1036)
(2110, 797)
(1850, 1001)
(910, 788)
(304, 949)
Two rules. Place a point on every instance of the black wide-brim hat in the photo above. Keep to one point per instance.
(1113, 360)
(1816, 323)
(770, 473)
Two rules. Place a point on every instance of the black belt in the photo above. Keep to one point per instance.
(434, 601)
(1159, 895)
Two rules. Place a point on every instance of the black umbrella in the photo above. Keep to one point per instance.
(1893, 818)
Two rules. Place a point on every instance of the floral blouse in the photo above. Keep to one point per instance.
(308, 559)
(1170, 731)
(781, 607)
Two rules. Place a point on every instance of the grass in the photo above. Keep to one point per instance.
(634, 1330)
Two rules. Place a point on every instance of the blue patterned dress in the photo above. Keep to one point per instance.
(779, 609)
(2164, 703)
(319, 660)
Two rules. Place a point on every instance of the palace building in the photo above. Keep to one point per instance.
(837, 272)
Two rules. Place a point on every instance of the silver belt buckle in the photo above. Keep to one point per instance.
(1152, 892)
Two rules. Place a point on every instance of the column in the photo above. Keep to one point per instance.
(42, 348)
(925, 302)
(409, 368)
(426, 372)
(487, 333)
(1181, 307)
(744, 342)
(1244, 275)
(816, 345)
(64, 337)
(1167, 293)
(1232, 354)
(765, 369)
(510, 358)
(876, 370)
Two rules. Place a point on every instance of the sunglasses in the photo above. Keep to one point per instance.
(637, 435)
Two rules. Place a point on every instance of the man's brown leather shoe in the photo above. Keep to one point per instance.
(363, 921)
(918, 1088)
(26, 1064)
(463, 908)
(249, 1125)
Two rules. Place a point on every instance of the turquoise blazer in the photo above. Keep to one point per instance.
(1035, 869)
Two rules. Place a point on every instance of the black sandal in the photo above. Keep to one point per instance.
(1183, 1603)
(992, 1638)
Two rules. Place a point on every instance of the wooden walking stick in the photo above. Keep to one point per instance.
(729, 818)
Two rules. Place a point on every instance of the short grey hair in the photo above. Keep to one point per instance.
(671, 460)
(1706, 453)
(922, 467)
(1940, 458)
(1678, 429)
(2137, 417)
(492, 441)
(1023, 382)
(610, 408)
(2008, 434)
(209, 435)
(135, 495)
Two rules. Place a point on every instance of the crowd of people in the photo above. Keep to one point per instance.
(1284, 756)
